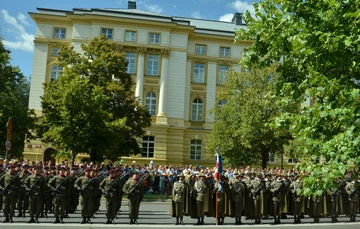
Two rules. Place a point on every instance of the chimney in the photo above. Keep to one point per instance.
(237, 19)
(131, 5)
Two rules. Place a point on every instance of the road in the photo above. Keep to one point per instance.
(156, 215)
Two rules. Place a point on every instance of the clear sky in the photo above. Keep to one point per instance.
(17, 29)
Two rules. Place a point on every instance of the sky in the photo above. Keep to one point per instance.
(17, 30)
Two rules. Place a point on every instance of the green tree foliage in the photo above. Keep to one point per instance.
(241, 131)
(14, 97)
(91, 108)
(319, 41)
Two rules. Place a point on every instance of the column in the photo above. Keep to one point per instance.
(163, 85)
(140, 74)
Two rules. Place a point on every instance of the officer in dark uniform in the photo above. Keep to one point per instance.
(9, 184)
(34, 186)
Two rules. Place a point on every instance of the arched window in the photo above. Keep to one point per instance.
(197, 110)
(150, 103)
(56, 71)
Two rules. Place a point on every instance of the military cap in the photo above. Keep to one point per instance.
(87, 170)
(112, 171)
(11, 166)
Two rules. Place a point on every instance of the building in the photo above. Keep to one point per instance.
(178, 64)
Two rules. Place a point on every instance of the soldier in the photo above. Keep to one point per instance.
(199, 194)
(73, 194)
(135, 191)
(257, 185)
(237, 195)
(23, 198)
(9, 184)
(352, 191)
(120, 186)
(58, 184)
(178, 198)
(97, 194)
(109, 187)
(295, 188)
(47, 192)
(85, 185)
(34, 186)
(316, 200)
(219, 188)
(277, 188)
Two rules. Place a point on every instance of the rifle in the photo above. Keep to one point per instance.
(131, 192)
(84, 190)
(10, 186)
(34, 185)
(55, 191)
(258, 189)
(107, 192)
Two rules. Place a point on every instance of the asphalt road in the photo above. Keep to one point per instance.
(156, 215)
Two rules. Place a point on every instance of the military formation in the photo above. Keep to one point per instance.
(39, 190)
(260, 195)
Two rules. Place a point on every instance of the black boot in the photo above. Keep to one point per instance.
(6, 220)
(177, 221)
(199, 221)
(61, 220)
(37, 219)
(131, 221)
(57, 220)
(202, 220)
(11, 220)
(334, 219)
(89, 221)
(135, 222)
(222, 221)
(31, 220)
(181, 221)
(83, 221)
(108, 221)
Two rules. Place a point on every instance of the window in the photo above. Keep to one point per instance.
(272, 158)
(130, 36)
(108, 33)
(148, 146)
(224, 51)
(55, 51)
(199, 73)
(59, 33)
(292, 160)
(195, 150)
(150, 103)
(130, 57)
(153, 65)
(222, 74)
(221, 103)
(197, 110)
(200, 49)
(56, 71)
(154, 38)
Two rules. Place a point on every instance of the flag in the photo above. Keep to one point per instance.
(218, 169)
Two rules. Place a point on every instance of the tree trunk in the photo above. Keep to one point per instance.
(264, 159)
(93, 155)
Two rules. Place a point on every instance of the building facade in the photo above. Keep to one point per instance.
(178, 64)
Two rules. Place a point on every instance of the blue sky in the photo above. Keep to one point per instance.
(17, 29)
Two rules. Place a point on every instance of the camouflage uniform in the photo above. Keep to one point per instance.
(110, 188)
(11, 183)
(34, 185)
(59, 197)
(85, 185)
(135, 196)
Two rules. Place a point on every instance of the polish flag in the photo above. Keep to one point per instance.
(218, 169)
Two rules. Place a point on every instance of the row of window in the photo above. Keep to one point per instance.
(154, 38)
(130, 36)
(148, 148)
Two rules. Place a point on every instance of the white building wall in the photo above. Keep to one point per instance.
(176, 85)
(81, 31)
(178, 41)
(187, 90)
(95, 30)
(213, 50)
(236, 52)
(38, 75)
(119, 34)
(210, 90)
(44, 31)
(165, 37)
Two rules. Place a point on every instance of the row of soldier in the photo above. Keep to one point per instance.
(259, 196)
(250, 195)
(60, 191)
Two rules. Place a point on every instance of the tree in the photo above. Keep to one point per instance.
(91, 108)
(14, 97)
(320, 45)
(245, 107)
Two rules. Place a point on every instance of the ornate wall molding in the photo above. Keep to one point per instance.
(142, 50)
(165, 52)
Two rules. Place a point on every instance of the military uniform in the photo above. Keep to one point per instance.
(353, 197)
(257, 185)
(277, 188)
(85, 185)
(237, 196)
(47, 202)
(178, 198)
(22, 198)
(135, 192)
(295, 188)
(58, 182)
(34, 186)
(109, 187)
(9, 184)
(199, 194)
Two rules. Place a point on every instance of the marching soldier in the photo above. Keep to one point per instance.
(85, 185)
(34, 186)
(58, 184)
(135, 191)
(295, 188)
(257, 185)
(23, 198)
(352, 191)
(178, 198)
(120, 186)
(199, 194)
(47, 205)
(316, 200)
(9, 184)
(109, 188)
(237, 195)
(277, 187)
